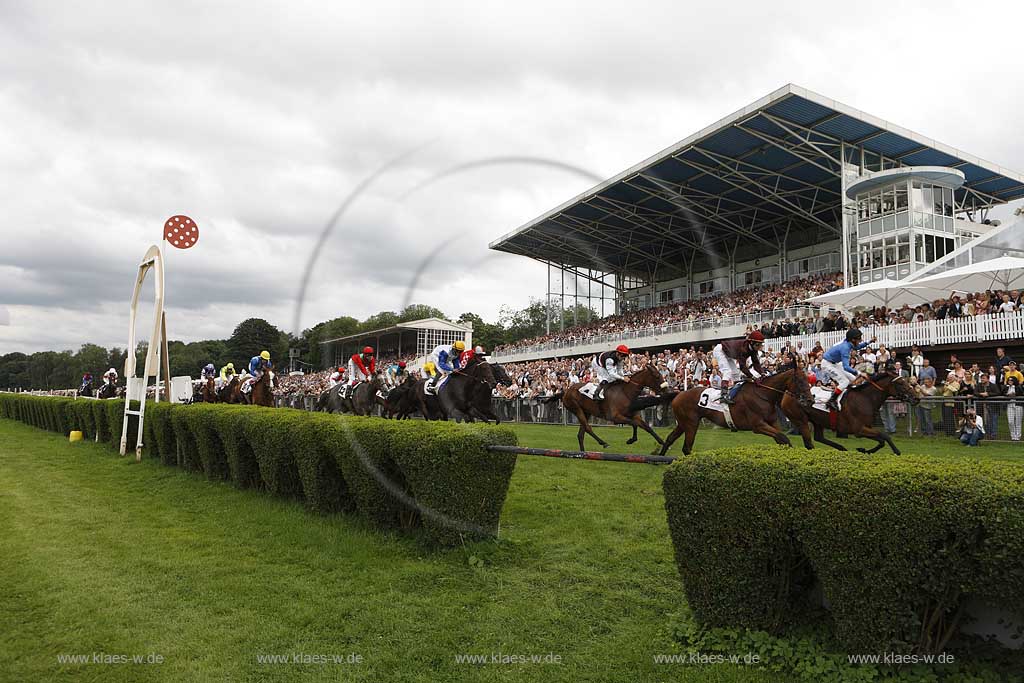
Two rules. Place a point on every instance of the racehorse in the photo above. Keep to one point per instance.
(206, 392)
(362, 397)
(86, 390)
(467, 392)
(755, 408)
(401, 400)
(418, 400)
(619, 405)
(231, 392)
(108, 391)
(262, 390)
(856, 414)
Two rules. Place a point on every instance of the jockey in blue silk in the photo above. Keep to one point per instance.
(836, 364)
(445, 358)
(258, 363)
(86, 380)
(208, 372)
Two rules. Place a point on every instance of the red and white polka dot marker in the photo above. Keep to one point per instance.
(181, 232)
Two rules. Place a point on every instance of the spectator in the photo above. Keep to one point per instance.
(971, 428)
(1002, 361)
(916, 361)
(926, 390)
(1012, 371)
(987, 392)
(1014, 397)
(927, 372)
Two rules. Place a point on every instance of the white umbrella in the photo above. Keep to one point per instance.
(1004, 272)
(886, 292)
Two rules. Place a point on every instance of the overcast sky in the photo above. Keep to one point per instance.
(258, 122)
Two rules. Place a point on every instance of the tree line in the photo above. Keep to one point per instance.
(64, 369)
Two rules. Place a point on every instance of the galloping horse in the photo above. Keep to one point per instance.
(754, 409)
(467, 392)
(108, 391)
(206, 392)
(619, 405)
(362, 397)
(262, 390)
(402, 399)
(856, 414)
(231, 392)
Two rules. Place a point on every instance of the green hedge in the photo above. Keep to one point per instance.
(437, 477)
(897, 545)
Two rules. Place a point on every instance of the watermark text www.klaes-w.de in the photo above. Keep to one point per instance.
(113, 658)
(507, 658)
(896, 658)
(708, 658)
(328, 658)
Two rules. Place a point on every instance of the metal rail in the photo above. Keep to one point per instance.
(584, 455)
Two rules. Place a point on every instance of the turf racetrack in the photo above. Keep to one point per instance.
(106, 560)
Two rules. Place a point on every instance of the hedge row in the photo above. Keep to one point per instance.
(897, 546)
(438, 476)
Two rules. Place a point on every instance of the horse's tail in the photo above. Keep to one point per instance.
(641, 402)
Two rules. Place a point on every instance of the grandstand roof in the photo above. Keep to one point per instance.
(766, 175)
(421, 324)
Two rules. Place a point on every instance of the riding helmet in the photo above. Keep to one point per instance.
(853, 334)
(756, 336)
(368, 351)
(622, 348)
(265, 355)
(459, 345)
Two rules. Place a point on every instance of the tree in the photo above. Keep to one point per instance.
(92, 359)
(419, 312)
(487, 335)
(255, 335)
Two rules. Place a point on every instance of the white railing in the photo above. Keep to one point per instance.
(565, 347)
(966, 330)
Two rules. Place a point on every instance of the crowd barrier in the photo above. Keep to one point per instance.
(937, 416)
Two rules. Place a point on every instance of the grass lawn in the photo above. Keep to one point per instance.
(105, 556)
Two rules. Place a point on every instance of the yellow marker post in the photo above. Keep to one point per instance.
(75, 436)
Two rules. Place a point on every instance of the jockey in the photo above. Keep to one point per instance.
(396, 374)
(470, 354)
(607, 367)
(337, 376)
(208, 372)
(86, 381)
(227, 373)
(836, 364)
(257, 364)
(446, 357)
(110, 376)
(733, 356)
(361, 367)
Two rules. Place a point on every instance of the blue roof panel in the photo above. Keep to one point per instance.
(731, 142)
(929, 157)
(846, 128)
(799, 110)
(890, 144)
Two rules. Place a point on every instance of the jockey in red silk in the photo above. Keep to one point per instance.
(732, 357)
(361, 367)
(469, 354)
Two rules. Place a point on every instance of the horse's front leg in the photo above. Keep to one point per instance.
(772, 431)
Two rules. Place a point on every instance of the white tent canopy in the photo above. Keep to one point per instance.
(1004, 272)
(885, 292)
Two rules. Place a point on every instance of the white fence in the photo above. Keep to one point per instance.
(973, 330)
(966, 330)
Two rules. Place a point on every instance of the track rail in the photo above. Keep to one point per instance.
(584, 455)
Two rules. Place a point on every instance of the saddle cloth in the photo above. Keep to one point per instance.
(711, 398)
(821, 396)
(437, 387)
(589, 390)
(382, 395)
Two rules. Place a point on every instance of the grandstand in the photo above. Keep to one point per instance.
(413, 339)
(795, 185)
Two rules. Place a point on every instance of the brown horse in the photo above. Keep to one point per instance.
(618, 405)
(262, 390)
(754, 409)
(856, 414)
(231, 392)
(207, 392)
